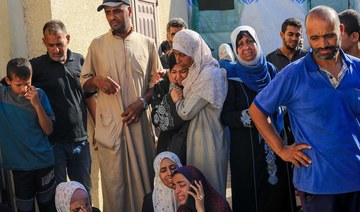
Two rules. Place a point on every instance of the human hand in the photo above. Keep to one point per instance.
(107, 85)
(133, 112)
(156, 77)
(294, 154)
(176, 94)
(33, 96)
(198, 195)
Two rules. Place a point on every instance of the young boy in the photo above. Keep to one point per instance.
(25, 122)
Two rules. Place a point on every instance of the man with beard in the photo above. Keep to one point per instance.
(322, 94)
(289, 51)
(350, 40)
(119, 65)
(291, 35)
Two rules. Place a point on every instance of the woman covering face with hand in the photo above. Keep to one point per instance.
(72, 196)
(162, 198)
(200, 102)
(194, 193)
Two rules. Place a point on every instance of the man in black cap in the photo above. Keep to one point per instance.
(119, 65)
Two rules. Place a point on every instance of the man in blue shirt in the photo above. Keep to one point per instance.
(26, 119)
(322, 94)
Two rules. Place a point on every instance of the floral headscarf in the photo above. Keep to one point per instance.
(163, 197)
(64, 192)
(205, 78)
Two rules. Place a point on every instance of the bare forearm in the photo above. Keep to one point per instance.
(266, 129)
(148, 95)
(90, 85)
(44, 120)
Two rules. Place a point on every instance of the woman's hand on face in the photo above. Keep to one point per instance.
(156, 77)
(176, 94)
(198, 195)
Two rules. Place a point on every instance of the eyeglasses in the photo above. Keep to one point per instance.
(84, 206)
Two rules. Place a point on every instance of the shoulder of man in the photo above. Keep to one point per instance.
(270, 55)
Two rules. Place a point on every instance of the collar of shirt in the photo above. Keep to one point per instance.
(335, 82)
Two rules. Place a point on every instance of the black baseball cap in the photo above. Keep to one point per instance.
(112, 3)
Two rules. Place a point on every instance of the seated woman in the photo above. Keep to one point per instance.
(162, 198)
(172, 128)
(203, 197)
(201, 102)
(72, 196)
(267, 184)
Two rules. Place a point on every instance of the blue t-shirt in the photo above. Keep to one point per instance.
(24, 146)
(324, 117)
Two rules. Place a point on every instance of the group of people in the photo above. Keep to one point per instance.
(191, 103)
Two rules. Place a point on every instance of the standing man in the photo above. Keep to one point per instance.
(291, 35)
(119, 66)
(350, 40)
(173, 26)
(289, 51)
(321, 93)
(58, 73)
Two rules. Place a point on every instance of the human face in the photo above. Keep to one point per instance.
(119, 18)
(178, 74)
(56, 45)
(19, 86)
(291, 37)
(324, 37)
(349, 41)
(247, 49)
(181, 186)
(167, 167)
(172, 32)
(182, 59)
(81, 202)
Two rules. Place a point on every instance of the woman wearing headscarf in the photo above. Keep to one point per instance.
(72, 196)
(172, 129)
(201, 102)
(260, 180)
(162, 198)
(194, 193)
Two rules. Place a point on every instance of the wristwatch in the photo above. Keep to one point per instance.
(146, 105)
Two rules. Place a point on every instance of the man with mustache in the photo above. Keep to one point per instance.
(58, 73)
(119, 66)
(291, 35)
(322, 94)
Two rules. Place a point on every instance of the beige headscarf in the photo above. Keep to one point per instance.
(64, 192)
(226, 53)
(205, 78)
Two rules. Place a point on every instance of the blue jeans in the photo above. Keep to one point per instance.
(74, 160)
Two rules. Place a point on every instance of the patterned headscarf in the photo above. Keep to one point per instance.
(64, 192)
(163, 197)
(205, 78)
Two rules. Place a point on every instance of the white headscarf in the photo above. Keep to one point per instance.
(163, 197)
(252, 32)
(205, 78)
(64, 192)
(226, 53)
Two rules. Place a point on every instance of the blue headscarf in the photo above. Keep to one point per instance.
(253, 73)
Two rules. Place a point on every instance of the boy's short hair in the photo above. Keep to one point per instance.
(290, 22)
(19, 67)
(351, 20)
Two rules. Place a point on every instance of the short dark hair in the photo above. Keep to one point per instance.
(176, 22)
(19, 67)
(165, 46)
(54, 27)
(351, 20)
(290, 22)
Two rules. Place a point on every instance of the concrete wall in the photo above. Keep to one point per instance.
(5, 53)
(170, 9)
